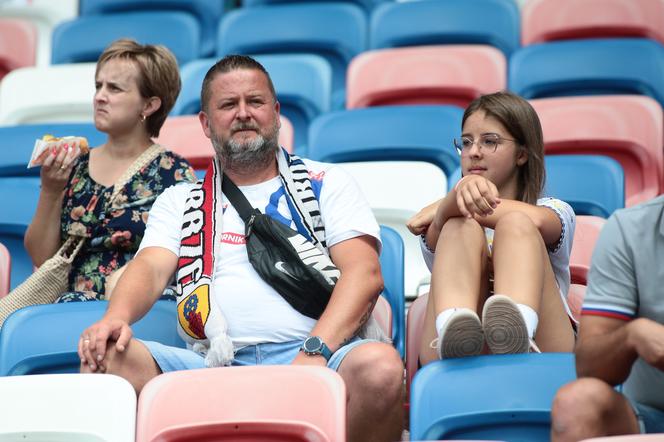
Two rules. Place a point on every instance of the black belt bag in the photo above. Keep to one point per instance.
(285, 259)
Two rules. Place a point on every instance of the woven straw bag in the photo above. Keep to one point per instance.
(47, 283)
(51, 278)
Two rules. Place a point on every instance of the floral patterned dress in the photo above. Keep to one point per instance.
(114, 229)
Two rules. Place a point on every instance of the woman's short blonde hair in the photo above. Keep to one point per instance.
(159, 75)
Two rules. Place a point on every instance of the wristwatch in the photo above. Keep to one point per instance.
(314, 345)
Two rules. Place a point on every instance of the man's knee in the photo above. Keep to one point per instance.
(375, 369)
(580, 403)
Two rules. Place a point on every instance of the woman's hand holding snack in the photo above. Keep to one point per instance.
(476, 196)
(57, 166)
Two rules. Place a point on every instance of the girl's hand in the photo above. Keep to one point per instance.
(476, 196)
(420, 222)
(58, 166)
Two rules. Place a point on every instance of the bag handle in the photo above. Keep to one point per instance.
(238, 200)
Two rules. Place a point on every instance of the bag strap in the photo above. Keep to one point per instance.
(140, 162)
(237, 199)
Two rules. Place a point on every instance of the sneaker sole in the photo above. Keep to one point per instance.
(504, 328)
(463, 336)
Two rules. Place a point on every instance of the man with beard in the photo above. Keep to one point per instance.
(244, 321)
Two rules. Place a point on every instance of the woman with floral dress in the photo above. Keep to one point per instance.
(106, 194)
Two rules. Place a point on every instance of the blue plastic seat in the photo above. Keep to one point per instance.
(368, 5)
(591, 184)
(303, 84)
(17, 142)
(85, 38)
(504, 397)
(392, 266)
(589, 67)
(390, 133)
(416, 23)
(19, 196)
(336, 31)
(207, 13)
(44, 338)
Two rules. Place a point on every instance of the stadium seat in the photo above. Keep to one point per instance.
(5, 270)
(414, 328)
(392, 267)
(453, 74)
(585, 236)
(415, 23)
(627, 128)
(44, 338)
(53, 94)
(17, 143)
(296, 403)
(400, 156)
(44, 15)
(382, 313)
(19, 196)
(368, 5)
(67, 407)
(575, 297)
(588, 67)
(336, 31)
(303, 84)
(591, 184)
(18, 44)
(85, 38)
(653, 437)
(207, 13)
(548, 20)
(183, 135)
(488, 397)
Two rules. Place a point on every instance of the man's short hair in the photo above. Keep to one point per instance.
(227, 64)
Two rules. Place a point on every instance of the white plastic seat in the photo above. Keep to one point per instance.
(61, 93)
(67, 407)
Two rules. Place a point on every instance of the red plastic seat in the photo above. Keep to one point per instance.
(18, 44)
(548, 20)
(628, 128)
(449, 74)
(184, 135)
(575, 297)
(5, 270)
(271, 403)
(585, 236)
(653, 437)
(414, 326)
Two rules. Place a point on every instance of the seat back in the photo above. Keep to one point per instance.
(392, 267)
(453, 74)
(655, 437)
(303, 84)
(414, 329)
(382, 313)
(17, 143)
(627, 128)
(368, 5)
(18, 44)
(85, 38)
(486, 22)
(183, 135)
(548, 20)
(294, 401)
(20, 195)
(44, 338)
(53, 94)
(206, 13)
(5, 270)
(589, 67)
(585, 236)
(335, 31)
(575, 297)
(488, 397)
(591, 184)
(58, 407)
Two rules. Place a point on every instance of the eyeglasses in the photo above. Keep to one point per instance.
(486, 143)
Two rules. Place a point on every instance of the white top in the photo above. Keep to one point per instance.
(558, 255)
(255, 312)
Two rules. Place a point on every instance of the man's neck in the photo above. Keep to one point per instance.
(249, 177)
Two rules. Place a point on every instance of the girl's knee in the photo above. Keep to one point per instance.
(462, 227)
(516, 225)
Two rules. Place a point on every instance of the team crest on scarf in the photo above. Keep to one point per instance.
(193, 311)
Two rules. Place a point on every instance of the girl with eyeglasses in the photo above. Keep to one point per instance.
(498, 251)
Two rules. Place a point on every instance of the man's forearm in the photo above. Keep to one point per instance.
(606, 356)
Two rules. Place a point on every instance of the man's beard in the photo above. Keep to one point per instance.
(249, 156)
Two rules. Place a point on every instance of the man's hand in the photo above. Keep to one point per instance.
(92, 345)
(647, 339)
(304, 359)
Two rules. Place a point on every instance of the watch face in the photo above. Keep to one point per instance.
(312, 344)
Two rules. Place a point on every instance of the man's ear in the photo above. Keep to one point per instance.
(205, 123)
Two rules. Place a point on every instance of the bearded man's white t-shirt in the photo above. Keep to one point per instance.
(255, 312)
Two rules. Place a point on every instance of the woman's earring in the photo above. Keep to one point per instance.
(143, 117)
